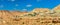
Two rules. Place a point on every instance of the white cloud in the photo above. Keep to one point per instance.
(28, 5)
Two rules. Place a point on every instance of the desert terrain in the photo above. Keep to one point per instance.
(38, 16)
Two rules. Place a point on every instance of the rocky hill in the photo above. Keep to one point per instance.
(38, 16)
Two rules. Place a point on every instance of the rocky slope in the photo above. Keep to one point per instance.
(38, 16)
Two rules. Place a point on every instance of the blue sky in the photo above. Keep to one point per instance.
(27, 5)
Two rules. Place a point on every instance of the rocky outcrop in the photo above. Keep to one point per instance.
(38, 16)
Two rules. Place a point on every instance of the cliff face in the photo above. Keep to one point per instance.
(39, 16)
